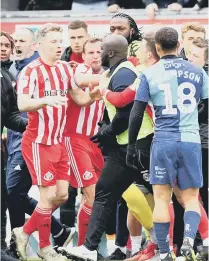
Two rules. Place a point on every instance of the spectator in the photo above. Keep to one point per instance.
(45, 5)
(189, 32)
(84, 5)
(10, 118)
(200, 4)
(152, 6)
(115, 5)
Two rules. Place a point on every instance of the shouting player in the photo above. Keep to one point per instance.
(42, 92)
(175, 87)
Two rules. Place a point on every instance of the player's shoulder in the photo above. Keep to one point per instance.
(34, 64)
(83, 68)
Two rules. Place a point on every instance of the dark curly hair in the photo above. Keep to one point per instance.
(9, 37)
(137, 35)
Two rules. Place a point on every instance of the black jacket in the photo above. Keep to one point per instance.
(66, 54)
(202, 111)
(10, 115)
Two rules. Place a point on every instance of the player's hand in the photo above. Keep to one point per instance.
(175, 7)
(95, 93)
(103, 134)
(113, 8)
(55, 101)
(131, 157)
(151, 10)
(4, 137)
(73, 64)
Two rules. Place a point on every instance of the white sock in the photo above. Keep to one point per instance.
(205, 242)
(153, 235)
(135, 244)
(162, 256)
(123, 249)
(191, 241)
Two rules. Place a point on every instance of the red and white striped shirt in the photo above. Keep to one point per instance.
(40, 80)
(83, 120)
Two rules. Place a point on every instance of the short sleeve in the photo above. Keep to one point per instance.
(122, 79)
(27, 81)
(205, 88)
(142, 91)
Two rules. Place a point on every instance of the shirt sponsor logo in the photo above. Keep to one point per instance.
(87, 175)
(48, 176)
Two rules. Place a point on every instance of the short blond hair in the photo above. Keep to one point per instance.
(91, 40)
(50, 27)
(195, 26)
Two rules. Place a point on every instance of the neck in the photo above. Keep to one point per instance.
(48, 61)
(99, 71)
(168, 53)
(31, 53)
(115, 60)
(150, 62)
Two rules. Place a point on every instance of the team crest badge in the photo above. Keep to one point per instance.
(48, 176)
(87, 175)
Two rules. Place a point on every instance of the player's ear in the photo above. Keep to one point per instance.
(83, 56)
(158, 48)
(111, 54)
(178, 45)
(149, 55)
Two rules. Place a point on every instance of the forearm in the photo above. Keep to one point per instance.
(119, 123)
(81, 98)
(15, 122)
(84, 81)
(29, 104)
(120, 99)
(135, 121)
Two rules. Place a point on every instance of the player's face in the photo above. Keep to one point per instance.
(24, 44)
(104, 56)
(92, 55)
(119, 25)
(77, 39)
(51, 46)
(6, 49)
(196, 55)
(188, 38)
(142, 54)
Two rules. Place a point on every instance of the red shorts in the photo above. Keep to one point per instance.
(46, 163)
(86, 161)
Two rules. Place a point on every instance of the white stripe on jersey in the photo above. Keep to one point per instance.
(57, 85)
(90, 118)
(81, 120)
(99, 115)
(49, 109)
(41, 126)
(50, 124)
(65, 77)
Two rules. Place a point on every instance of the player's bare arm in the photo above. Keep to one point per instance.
(27, 104)
(83, 80)
(80, 97)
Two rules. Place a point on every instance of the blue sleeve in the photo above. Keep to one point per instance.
(205, 88)
(122, 79)
(142, 93)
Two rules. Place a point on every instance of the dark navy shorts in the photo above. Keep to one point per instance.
(176, 162)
